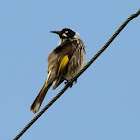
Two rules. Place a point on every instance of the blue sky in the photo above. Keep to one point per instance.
(105, 102)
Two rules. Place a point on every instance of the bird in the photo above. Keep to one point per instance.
(64, 62)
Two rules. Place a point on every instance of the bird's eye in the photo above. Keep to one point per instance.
(66, 32)
(64, 35)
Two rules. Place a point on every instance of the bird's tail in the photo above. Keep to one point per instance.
(40, 97)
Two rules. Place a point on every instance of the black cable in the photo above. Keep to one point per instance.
(85, 67)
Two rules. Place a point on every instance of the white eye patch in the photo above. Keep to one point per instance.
(66, 32)
(64, 35)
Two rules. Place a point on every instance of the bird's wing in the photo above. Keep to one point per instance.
(61, 57)
(63, 63)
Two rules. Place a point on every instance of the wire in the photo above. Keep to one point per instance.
(85, 67)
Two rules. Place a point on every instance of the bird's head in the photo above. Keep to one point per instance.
(66, 33)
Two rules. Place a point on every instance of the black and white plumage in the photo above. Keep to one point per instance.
(64, 62)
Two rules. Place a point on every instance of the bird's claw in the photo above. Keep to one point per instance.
(70, 81)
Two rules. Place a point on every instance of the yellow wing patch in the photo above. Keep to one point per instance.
(63, 63)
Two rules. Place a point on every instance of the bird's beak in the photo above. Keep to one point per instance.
(56, 32)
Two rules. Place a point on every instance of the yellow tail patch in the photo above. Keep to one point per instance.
(63, 63)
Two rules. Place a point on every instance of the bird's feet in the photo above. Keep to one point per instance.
(70, 81)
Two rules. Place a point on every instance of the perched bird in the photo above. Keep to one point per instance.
(64, 62)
